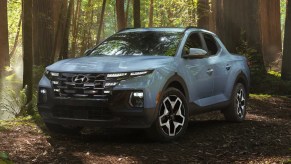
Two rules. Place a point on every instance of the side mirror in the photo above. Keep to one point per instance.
(196, 53)
(87, 52)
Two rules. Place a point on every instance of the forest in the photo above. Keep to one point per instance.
(37, 33)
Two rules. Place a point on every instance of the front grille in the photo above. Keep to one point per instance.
(79, 85)
(76, 112)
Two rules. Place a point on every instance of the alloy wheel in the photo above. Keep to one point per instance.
(172, 115)
(240, 102)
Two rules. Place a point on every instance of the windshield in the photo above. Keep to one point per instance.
(148, 43)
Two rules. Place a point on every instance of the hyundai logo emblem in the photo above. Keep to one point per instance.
(80, 79)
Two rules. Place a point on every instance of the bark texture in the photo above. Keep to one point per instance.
(4, 43)
(27, 51)
(120, 14)
(286, 62)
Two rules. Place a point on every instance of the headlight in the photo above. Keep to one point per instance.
(128, 75)
(47, 74)
(140, 73)
(50, 75)
(113, 79)
(116, 74)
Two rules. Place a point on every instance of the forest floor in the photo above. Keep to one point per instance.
(265, 137)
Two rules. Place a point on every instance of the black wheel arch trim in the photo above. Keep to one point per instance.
(180, 80)
(242, 77)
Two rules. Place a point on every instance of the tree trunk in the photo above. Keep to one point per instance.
(27, 51)
(4, 43)
(126, 12)
(203, 12)
(16, 37)
(286, 62)
(86, 28)
(60, 29)
(212, 16)
(121, 24)
(43, 32)
(151, 14)
(271, 32)
(65, 47)
(101, 21)
(233, 27)
(136, 13)
(75, 29)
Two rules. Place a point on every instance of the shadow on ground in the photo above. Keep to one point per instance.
(205, 141)
(264, 136)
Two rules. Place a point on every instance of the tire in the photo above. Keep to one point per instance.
(172, 118)
(59, 129)
(236, 112)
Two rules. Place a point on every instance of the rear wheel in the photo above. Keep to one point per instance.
(172, 119)
(237, 110)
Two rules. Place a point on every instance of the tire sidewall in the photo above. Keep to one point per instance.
(238, 87)
(168, 92)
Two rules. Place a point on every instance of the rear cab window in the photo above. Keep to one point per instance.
(212, 47)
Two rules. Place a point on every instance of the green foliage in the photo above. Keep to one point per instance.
(16, 103)
(287, 161)
(283, 16)
(254, 59)
(274, 73)
(4, 158)
(37, 74)
(271, 84)
(260, 96)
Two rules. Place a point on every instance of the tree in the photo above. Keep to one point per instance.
(27, 51)
(86, 30)
(75, 27)
(43, 31)
(203, 12)
(4, 44)
(270, 26)
(286, 62)
(120, 14)
(16, 37)
(233, 27)
(151, 14)
(101, 21)
(136, 13)
(59, 32)
(65, 45)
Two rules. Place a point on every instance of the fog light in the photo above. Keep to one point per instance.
(43, 95)
(136, 100)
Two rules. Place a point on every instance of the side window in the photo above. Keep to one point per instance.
(211, 44)
(193, 41)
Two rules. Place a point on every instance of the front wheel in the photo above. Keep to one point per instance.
(237, 110)
(172, 119)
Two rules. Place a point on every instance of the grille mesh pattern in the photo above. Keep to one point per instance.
(79, 85)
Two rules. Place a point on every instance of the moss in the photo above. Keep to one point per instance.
(260, 96)
(13, 78)
(287, 162)
(20, 121)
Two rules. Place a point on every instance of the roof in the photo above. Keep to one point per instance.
(167, 29)
(153, 29)
(173, 29)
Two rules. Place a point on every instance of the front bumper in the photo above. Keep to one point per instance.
(114, 112)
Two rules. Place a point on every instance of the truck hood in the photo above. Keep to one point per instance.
(109, 64)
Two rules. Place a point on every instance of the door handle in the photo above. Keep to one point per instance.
(210, 71)
(228, 67)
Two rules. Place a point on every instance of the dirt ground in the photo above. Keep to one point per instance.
(265, 137)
